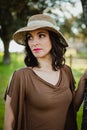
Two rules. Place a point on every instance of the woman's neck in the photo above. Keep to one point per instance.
(45, 64)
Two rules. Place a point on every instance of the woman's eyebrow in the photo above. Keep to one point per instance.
(42, 32)
(28, 33)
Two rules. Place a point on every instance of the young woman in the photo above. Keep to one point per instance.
(38, 96)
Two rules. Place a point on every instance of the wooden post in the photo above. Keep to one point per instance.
(70, 60)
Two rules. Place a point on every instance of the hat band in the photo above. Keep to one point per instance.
(40, 23)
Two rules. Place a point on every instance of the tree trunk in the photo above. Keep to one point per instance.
(6, 57)
(84, 6)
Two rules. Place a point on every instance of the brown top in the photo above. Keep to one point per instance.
(37, 104)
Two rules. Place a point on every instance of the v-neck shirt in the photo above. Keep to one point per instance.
(38, 104)
(45, 81)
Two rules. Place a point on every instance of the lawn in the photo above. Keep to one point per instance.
(17, 62)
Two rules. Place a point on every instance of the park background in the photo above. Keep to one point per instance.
(69, 15)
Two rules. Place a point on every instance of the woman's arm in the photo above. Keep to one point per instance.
(9, 117)
(79, 94)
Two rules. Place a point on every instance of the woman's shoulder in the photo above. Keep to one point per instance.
(66, 67)
(22, 71)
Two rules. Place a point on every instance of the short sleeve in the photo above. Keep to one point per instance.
(10, 86)
(16, 90)
(73, 82)
(71, 77)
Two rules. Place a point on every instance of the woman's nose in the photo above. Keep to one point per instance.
(35, 41)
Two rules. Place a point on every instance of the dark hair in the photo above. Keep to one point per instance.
(57, 52)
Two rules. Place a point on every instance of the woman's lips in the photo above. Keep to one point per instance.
(37, 49)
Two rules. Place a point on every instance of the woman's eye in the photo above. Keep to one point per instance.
(29, 37)
(42, 35)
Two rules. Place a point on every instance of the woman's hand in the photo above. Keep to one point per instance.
(9, 118)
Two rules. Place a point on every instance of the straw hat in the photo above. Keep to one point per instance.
(36, 22)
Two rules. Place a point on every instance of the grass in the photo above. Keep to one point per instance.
(17, 61)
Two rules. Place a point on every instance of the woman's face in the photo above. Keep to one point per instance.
(39, 42)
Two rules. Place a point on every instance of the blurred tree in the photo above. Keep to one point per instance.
(84, 5)
(75, 27)
(14, 14)
(70, 24)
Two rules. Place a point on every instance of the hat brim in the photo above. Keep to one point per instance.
(20, 35)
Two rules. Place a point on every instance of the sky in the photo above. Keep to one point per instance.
(14, 47)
